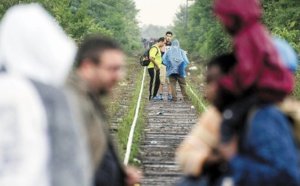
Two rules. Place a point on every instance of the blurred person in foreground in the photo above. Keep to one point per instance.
(98, 68)
(198, 155)
(40, 143)
(201, 155)
(256, 137)
(176, 61)
(258, 65)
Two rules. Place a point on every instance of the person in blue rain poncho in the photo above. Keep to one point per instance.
(176, 61)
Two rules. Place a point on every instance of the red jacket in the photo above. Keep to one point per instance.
(258, 63)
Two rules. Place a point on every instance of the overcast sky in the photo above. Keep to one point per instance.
(157, 12)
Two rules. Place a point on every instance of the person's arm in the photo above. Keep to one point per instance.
(133, 175)
(186, 60)
(165, 59)
(152, 53)
(274, 157)
(196, 149)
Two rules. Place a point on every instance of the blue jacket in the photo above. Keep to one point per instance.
(175, 67)
(268, 153)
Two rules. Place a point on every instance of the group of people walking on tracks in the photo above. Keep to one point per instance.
(54, 131)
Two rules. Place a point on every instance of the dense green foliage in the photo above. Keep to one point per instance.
(283, 19)
(114, 18)
(201, 34)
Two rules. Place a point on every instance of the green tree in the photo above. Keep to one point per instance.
(283, 19)
(118, 16)
(75, 20)
(114, 18)
(199, 32)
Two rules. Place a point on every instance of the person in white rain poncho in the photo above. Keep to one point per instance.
(40, 144)
(176, 61)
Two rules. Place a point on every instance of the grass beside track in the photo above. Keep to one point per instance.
(125, 126)
(198, 106)
(125, 115)
(195, 79)
(121, 106)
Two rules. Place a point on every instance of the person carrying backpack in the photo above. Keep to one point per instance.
(176, 61)
(154, 68)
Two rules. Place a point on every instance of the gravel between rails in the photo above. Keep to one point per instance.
(167, 125)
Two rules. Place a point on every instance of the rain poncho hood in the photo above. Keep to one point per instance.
(176, 60)
(39, 143)
(174, 54)
(259, 65)
(33, 45)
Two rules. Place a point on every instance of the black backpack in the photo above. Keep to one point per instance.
(145, 59)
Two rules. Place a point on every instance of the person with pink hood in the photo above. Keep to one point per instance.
(259, 66)
(256, 137)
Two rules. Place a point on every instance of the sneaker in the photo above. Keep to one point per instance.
(169, 97)
(155, 98)
(161, 97)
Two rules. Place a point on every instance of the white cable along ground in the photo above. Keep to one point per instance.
(130, 138)
(197, 97)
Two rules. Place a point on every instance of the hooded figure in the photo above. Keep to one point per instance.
(175, 59)
(40, 144)
(259, 66)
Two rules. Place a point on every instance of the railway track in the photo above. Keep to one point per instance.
(168, 123)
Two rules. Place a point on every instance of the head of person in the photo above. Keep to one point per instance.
(287, 53)
(169, 36)
(175, 51)
(235, 15)
(216, 68)
(99, 62)
(34, 46)
(175, 44)
(174, 54)
(161, 41)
